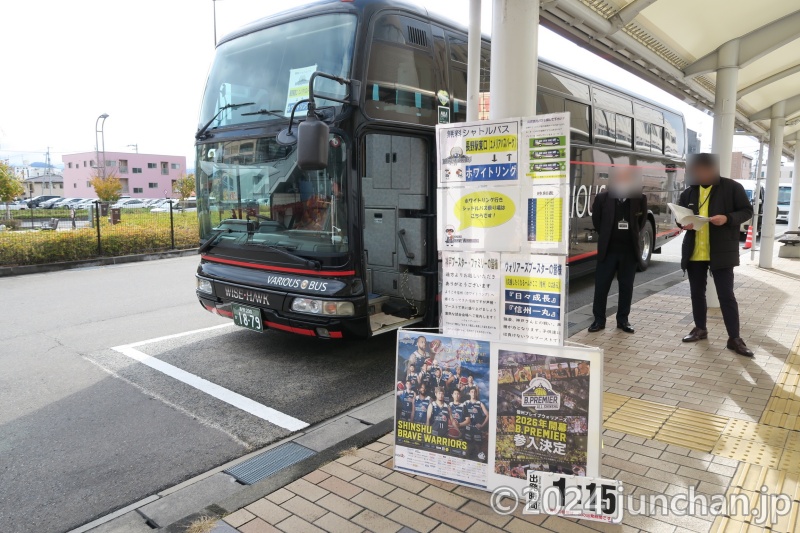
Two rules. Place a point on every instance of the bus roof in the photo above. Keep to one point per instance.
(361, 6)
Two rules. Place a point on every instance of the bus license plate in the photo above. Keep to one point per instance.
(247, 317)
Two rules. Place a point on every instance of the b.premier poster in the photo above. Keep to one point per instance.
(442, 407)
(547, 409)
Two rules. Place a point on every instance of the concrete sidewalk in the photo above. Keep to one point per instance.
(676, 416)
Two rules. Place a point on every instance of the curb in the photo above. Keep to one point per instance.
(327, 438)
(100, 261)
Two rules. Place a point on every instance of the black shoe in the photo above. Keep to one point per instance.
(695, 335)
(596, 326)
(625, 326)
(738, 346)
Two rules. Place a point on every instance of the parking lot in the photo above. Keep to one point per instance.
(120, 385)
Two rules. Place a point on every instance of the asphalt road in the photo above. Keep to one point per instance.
(85, 429)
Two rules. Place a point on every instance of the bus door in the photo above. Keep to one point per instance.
(395, 186)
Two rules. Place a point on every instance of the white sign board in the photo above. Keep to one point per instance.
(298, 88)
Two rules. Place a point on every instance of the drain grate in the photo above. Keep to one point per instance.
(269, 462)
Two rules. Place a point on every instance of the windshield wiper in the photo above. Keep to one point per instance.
(310, 263)
(201, 133)
(212, 240)
(273, 112)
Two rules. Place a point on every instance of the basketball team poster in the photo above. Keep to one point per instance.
(442, 407)
(546, 414)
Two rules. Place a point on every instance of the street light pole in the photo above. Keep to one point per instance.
(214, 5)
(98, 128)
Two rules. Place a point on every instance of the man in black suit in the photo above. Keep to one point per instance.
(617, 215)
(713, 246)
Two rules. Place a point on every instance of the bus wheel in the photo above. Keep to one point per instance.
(646, 244)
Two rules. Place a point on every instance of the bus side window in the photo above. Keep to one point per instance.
(401, 78)
(656, 139)
(548, 103)
(458, 90)
(604, 127)
(642, 136)
(578, 121)
(624, 132)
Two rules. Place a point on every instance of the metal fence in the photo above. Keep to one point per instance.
(42, 236)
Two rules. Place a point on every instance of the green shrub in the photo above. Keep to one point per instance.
(146, 233)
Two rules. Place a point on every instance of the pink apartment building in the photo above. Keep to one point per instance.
(142, 175)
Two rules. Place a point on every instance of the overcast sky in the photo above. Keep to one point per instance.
(144, 63)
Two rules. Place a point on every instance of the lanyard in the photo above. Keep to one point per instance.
(704, 201)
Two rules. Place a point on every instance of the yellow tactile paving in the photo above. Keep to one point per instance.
(639, 417)
(790, 461)
(748, 451)
(723, 524)
(743, 429)
(781, 420)
(611, 403)
(789, 523)
(695, 430)
(750, 477)
(784, 405)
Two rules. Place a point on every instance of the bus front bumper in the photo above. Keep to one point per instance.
(312, 326)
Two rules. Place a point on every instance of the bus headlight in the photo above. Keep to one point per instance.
(203, 285)
(322, 307)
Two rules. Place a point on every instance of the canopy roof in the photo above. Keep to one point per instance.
(674, 44)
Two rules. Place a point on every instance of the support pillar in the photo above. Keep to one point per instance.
(474, 61)
(515, 59)
(776, 126)
(725, 105)
(794, 207)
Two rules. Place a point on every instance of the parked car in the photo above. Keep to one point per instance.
(85, 204)
(48, 204)
(73, 202)
(14, 206)
(37, 200)
(129, 203)
(163, 207)
(784, 199)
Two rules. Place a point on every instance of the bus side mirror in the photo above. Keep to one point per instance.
(312, 144)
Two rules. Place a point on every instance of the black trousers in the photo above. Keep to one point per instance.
(624, 266)
(723, 280)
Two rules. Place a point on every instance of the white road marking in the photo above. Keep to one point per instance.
(263, 412)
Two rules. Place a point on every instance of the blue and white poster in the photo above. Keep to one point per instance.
(442, 407)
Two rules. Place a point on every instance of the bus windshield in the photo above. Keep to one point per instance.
(258, 180)
(271, 68)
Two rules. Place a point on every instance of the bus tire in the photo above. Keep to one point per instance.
(646, 245)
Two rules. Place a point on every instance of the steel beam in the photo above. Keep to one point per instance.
(791, 106)
(753, 45)
(769, 80)
(624, 16)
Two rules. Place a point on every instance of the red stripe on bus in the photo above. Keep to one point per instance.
(291, 329)
(279, 269)
(581, 256)
(596, 164)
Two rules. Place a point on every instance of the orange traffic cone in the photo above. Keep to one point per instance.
(748, 243)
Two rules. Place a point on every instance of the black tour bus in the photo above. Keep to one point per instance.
(350, 250)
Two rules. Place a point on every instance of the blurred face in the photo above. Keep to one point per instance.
(408, 385)
(438, 372)
(423, 389)
(410, 368)
(704, 174)
(421, 342)
(473, 393)
(439, 395)
(456, 395)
